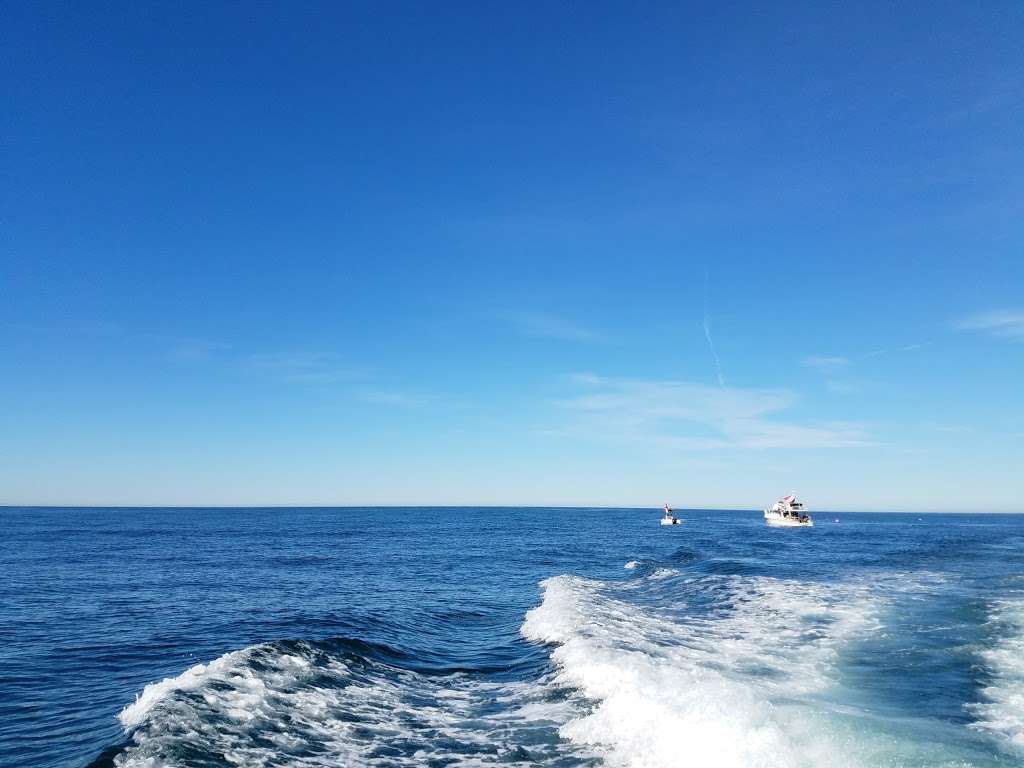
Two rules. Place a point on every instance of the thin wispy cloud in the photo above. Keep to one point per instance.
(825, 364)
(707, 334)
(356, 383)
(194, 350)
(832, 367)
(175, 348)
(837, 368)
(1001, 323)
(32, 328)
(303, 368)
(904, 348)
(694, 416)
(843, 387)
(548, 326)
(394, 398)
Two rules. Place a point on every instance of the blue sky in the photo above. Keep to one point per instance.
(580, 254)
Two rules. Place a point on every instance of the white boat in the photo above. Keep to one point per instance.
(787, 512)
(668, 518)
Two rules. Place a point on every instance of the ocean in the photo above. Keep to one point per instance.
(508, 637)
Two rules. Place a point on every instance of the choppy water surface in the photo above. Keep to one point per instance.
(349, 637)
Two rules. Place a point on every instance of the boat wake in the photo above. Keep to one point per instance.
(1002, 711)
(331, 703)
(661, 667)
(729, 686)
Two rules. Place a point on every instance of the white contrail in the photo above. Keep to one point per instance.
(907, 348)
(707, 334)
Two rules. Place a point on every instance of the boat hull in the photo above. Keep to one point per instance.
(782, 522)
(673, 521)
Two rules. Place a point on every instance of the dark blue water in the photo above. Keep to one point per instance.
(328, 637)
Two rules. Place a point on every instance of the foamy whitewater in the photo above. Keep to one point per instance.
(180, 638)
(719, 690)
(324, 705)
(1003, 709)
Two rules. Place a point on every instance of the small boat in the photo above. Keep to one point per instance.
(668, 518)
(787, 512)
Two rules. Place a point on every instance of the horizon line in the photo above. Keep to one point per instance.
(822, 511)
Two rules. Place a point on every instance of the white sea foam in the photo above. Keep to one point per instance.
(194, 677)
(663, 573)
(631, 565)
(298, 706)
(727, 689)
(1002, 711)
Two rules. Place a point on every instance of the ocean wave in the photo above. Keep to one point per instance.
(726, 688)
(297, 703)
(1002, 711)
